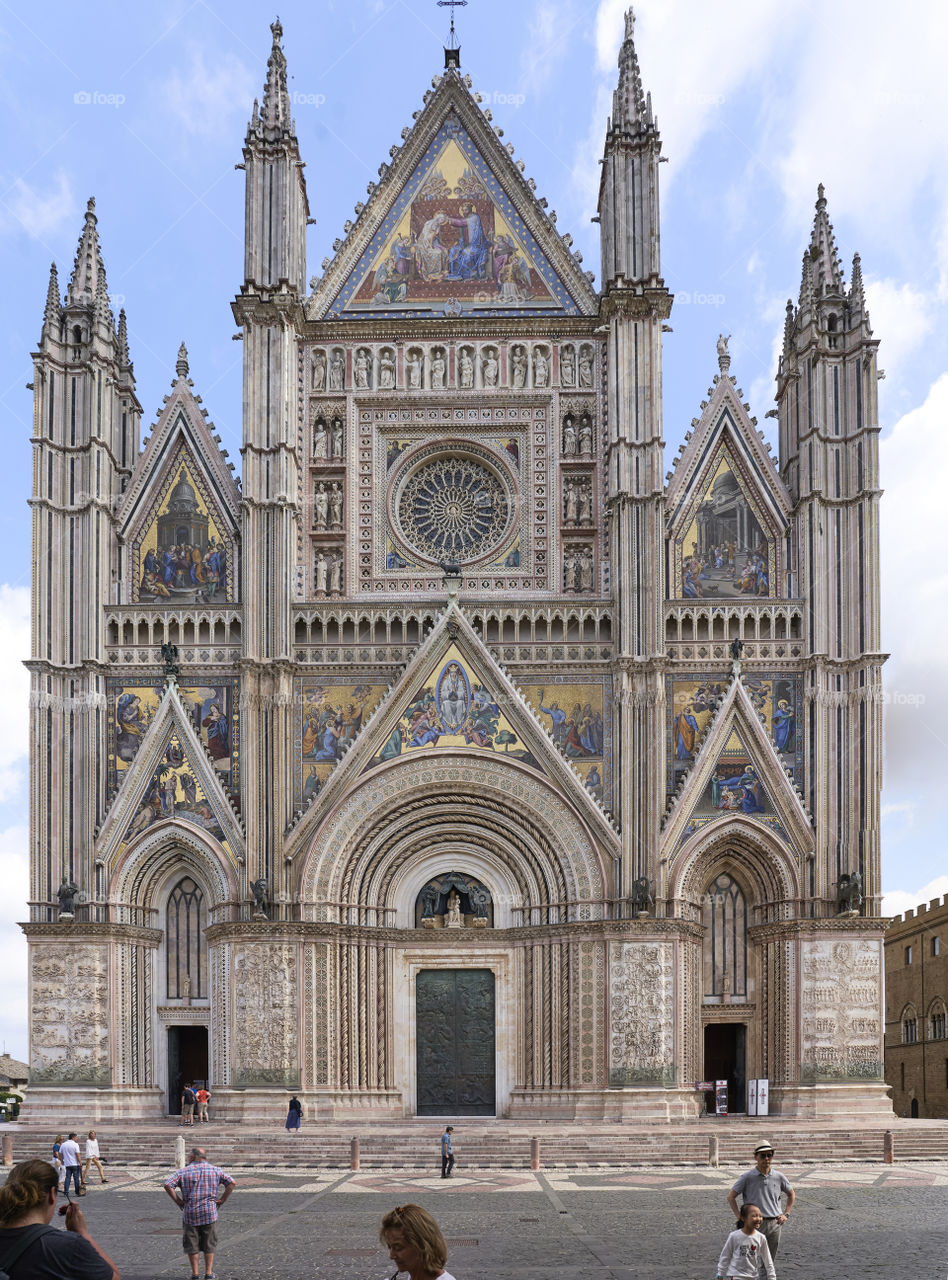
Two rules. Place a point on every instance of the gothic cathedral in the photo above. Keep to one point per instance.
(455, 760)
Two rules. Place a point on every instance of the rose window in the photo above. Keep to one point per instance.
(453, 509)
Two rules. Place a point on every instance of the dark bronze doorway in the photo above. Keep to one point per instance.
(455, 1036)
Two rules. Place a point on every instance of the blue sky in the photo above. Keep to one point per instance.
(145, 107)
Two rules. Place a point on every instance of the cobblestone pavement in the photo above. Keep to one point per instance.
(850, 1222)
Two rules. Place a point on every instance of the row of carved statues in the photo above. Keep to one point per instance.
(328, 440)
(328, 571)
(578, 568)
(528, 365)
(577, 501)
(327, 505)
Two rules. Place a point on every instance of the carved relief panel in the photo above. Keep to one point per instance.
(265, 986)
(642, 1012)
(841, 1010)
(70, 1028)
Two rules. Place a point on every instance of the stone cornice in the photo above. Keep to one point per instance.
(643, 930)
(448, 329)
(66, 930)
(630, 303)
(867, 926)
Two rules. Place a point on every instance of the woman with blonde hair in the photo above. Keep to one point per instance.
(30, 1248)
(415, 1243)
(92, 1157)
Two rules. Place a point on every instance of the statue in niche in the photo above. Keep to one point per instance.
(585, 368)
(571, 504)
(570, 571)
(320, 441)
(320, 507)
(66, 893)
(466, 368)
(849, 894)
(386, 371)
(414, 370)
(322, 574)
(335, 438)
(335, 575)
(438, 369)
(429, 901)
(452, 919)
(261, 898)
(319, 370)
(490, 368)
(586, 570)
(641, 901)
(169, 656)
(335, 506)
(541, 368)
(569, 437)
(585, 434)
(362, 369)
(337, 372)
(518, 364)
(585, 504)
(567, 367)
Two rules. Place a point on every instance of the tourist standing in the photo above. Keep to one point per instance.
(294, 1114)
(29, 1244)
(194, 1190)
(69, 1154)
(92, 1157)
(764, 1186)
(203, 1098)
(188, 1099)
(57, 1158)
(447, 1152)
(746, 1252)
(415, 1243)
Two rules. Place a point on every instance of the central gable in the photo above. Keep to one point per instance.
(452, 243)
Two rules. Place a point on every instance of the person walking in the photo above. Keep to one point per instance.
(764, 1187)
(294, 1115)
(188, 1098)
(30, 1246)
(194, 1191)
(57, 1158)
(746, 1253)
(415, 1243)
(69, 1154)
(203, 1098)
(447, 1152)
(92, 1157)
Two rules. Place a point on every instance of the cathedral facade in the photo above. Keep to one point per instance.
(456, 760)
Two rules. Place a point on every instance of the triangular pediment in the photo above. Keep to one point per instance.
(738, 772)
(727, 508)
(172, 778)
(453, 228)
(179, 517)
(454, 697)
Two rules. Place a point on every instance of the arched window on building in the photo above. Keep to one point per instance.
(909, 1025)
(724, 916)
(186, 947)
(937, 1020)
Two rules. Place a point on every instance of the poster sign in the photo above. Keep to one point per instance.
(752, 1097)
(763, 1097)
(720, 1097)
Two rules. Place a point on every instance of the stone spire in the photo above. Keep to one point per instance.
(122, 337)
(52, 315)
(821, 262)
(89, 267)
(857, 296)
(631, 108)
(181, 366)
(276, 98)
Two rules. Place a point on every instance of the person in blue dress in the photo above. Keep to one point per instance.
(467, 259)
(783, 725)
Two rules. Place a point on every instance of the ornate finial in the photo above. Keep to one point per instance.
(90, 207)
(724, 356)
(277, 29)
(53, 301)
(737, 648)
(84, 285)
(821, 197)
(452, 50)
(629, 107)
(169, 656)
(122, 337)
(275, 111)
(630, 23)
(181, 367)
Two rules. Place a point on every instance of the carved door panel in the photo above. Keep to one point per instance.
(455, 1038)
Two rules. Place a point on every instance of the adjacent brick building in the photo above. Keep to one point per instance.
(916, 1000)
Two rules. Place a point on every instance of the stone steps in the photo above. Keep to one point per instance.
(501, 1146)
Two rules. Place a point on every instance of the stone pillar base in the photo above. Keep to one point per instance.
(58, 1106)
(268, 1106)
(663, 1104)
(852, 1100)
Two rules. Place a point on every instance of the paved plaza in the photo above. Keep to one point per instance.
(850, 1222)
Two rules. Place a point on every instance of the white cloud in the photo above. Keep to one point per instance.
(899, 900)
(901, 316)
(41, 214)
(552, 33)
(14, 705)
(207, 98)
(14, 876)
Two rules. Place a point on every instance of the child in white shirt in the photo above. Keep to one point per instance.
(745, 1250)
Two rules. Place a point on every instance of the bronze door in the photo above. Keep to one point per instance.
(455, 1036)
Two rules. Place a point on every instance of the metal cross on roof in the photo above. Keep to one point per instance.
(452, 5)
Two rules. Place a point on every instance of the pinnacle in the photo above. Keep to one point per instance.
(821, 262)
(123, 355)
(89, 269)
(276, 99)
(630, 110)
(181, 366)
(53, 301)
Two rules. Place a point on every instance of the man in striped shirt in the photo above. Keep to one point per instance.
(194, 1189)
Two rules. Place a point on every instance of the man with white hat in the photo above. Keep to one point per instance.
(764, 1187)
